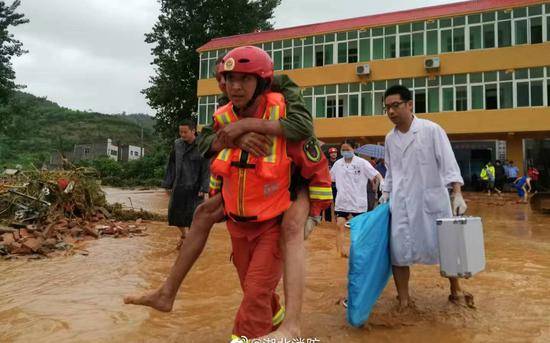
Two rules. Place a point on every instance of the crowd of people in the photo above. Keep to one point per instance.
(270, 181)
(499, 177)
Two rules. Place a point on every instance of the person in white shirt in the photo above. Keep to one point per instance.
(351, 175)
(420, 166)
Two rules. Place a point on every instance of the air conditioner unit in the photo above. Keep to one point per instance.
(363, 69)
(432, 63)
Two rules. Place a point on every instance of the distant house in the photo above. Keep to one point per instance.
(128, 152)
(95, 150)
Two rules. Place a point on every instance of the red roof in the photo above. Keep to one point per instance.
(367, 21)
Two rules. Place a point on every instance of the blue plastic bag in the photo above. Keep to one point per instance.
(369, 262)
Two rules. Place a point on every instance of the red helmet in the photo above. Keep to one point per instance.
(248, 60)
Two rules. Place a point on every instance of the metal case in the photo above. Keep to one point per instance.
(461, 247)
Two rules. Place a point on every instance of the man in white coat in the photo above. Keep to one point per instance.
(420, 167)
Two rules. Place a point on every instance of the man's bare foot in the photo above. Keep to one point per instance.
(468, 299)
(154, 299)
(282, 334)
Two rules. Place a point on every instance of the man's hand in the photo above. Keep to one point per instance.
(458, 204)
(254, 143)
(229, 133)
(384, 198)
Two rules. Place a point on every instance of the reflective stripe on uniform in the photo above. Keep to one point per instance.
(320, 193)
(224, 154)
(237, 339)
(274, 114)
(279, 316)
(215, 183)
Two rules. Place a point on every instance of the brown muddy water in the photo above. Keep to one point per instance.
(79, 298)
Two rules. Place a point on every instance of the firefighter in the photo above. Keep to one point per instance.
(255, 189)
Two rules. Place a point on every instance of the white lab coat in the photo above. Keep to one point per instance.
(418, 172)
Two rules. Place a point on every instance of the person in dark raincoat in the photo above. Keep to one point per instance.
(187, 177)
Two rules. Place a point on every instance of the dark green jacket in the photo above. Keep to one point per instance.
(297, 125)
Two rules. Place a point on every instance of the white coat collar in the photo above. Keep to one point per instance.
(415, 127)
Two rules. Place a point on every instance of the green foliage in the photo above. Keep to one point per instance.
(9, 47)
(182, 27)
(38, 127)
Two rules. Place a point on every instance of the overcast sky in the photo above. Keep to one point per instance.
(91, 54)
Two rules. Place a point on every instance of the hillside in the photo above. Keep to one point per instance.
(38, 127)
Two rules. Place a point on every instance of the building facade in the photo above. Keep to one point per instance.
(128, 152)
(481, 69)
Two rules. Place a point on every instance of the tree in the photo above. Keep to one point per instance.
(9, 47)
(182, 27)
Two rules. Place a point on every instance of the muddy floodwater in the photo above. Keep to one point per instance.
(79, 298)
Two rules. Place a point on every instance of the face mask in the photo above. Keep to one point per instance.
(347, 154)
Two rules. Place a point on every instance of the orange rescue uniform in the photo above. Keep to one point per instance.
(256, 193)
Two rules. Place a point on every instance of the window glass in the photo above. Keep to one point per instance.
(433, 100)
(378, 103)
(420, 82)
(488, 36)
(366, 103)
(504, 15)
(405, 28)
(404, 45)
(506, 95)
(475, 37)
(378, 48)
(204, 69)
(520, 12)
(330, 89)
(431, 38)
(458, 39)
(320, 111)
(504, 76)
(446, 40)
(522, 74)
(390, 48)
(548, 28)
(431, 24)
(460, 79)
(536, 93)
(458, 21)
(488, 16)
(343, 88)
(378, 31)
(536, 30)
(287, 43)
(477, 97)
(419, 101)
(297, 58)
(354, 87)
(407, 83)
(364, 50)
(418, 26)
(476, 77)
(390, 30)
(447, 80)
(490, 76)
(491, 97)
(308, 40)
(309, 103)
(353, 108)
(521, 31)
(340, 36)
(329, 37)
(364, 33)
(308, 56)
(445, 23)
(418, 44)
(448, 99)
(277, 60)
(504, 33)
(433, 81)
(536, 72)
(535, 10)
(461, 98)
(380, 85)
(297, 42)
(277, 45)
(522, 94)
(474, 19)
(287, 59)
(307, 91)
(329, 53)
(319, 90)
(352, 51)
(342, 52)
(352, 34)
